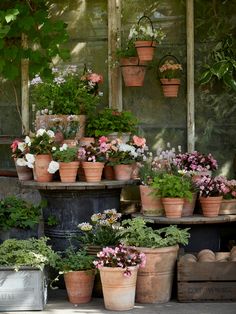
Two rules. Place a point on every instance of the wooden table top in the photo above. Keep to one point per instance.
(190, 220)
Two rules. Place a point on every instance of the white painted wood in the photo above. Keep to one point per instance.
(190, 75)
(24, 89)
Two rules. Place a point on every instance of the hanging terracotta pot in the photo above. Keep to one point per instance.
(93, 171)
(173, 206)
(24, 173)
(145, 49)
(41, 164)
(210, 205)
(155, 280)
(123, 172)
(151, 204)
(133, 72)
(118, 290)
(79, 286)
(68, 171)
(170, 87)
(188, 207)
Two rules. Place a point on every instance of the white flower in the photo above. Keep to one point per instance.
(28, 140)
(54, 148)
(53, 166)
(21, 162)
(29, 165)
(30, 158)
(50, 133)
(63, 147)
(21, 146)
(40, 132)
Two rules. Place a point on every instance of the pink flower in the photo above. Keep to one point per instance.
(139, 141)
(95, 78)
(14, 145)
(103, 139)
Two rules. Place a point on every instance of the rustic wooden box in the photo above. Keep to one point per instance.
(206, 281)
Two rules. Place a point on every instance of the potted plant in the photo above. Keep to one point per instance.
(78, 270)
(66, 160)
(169, 72)
(112, 123)
(19, 152)
(146, 38)
(211, 192)
(173, 189)
(133, 70)
(22, 273)
(19, 218)
(67, 92)
(93, 158)
(228, 205)
(40, 145)
(154, 282)
(118, 270)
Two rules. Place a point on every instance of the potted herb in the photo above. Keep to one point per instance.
(19, 218)
(173, 190)
(66, 160)
(78, 270)
(161, 248)
(118, 270)
(21, 260)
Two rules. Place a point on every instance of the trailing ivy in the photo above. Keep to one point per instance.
(44, 37)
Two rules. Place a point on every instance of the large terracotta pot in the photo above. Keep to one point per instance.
(154, 282)
(68, 171)
(210, 205)
(41, 173)
(188, 207)
(123, 172)
(132, 71)
(79, 285)
(228, 207)
(151, 205)
(145, 49)
(93, 171)
(170, 87)
(24, 173)
(173, 206)
(118, 290)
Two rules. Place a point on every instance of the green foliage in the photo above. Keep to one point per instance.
(127, 50)
(170, 185)
(18, 213)
(31, 252)
(147, 172)
(44, 35)
(65, 155)
(52, 221)
(41, 143)
(135, 232)
(109, 120)
(74, 261)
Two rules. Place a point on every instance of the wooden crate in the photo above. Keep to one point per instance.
(206, 281)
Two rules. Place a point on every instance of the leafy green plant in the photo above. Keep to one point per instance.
(31, 252)
(170, 185)
(52, 221)
(135, 232)
(222, 64)
(18, 213)
(127, 50)
(67, 154)
(109, 120)
(74, 261)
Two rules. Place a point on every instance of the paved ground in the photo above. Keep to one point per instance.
(58, 304)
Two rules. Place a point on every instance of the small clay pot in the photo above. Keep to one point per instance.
(233, 254)
(222, 256)
(206, 256)
(189, 258)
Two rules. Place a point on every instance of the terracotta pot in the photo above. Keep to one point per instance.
(93, 171)
(86, 141)
(108, 173)
(123, 172)
(118, 290)
(155, 280)
(81, 173)
(151, 205)
(41, 173)
(135, 171)
(79, 286)
(188, 207)
(228, 207)
(68, 171)
(24, 173)
(173, 206)
(210, 205)
(189, 258)
(170, 87)
(97, 287)
(132, 71)
(222, 256)
(206, 255)
(145, 49)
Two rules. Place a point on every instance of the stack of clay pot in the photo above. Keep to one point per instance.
(207, 255)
